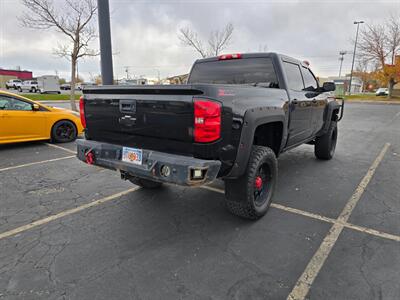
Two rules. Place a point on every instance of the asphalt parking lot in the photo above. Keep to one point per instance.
(73, 231)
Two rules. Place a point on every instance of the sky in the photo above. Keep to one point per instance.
(145, 34)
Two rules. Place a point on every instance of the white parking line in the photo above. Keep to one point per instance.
(306, 279)
(61, 148)
(36, 163)
(65, 213)
(373, 232)
(210, 188)
(322, 218)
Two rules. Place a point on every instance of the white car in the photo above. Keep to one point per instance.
(382, 92)
(28, 85)
(13, 84)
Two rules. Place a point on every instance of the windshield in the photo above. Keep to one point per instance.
(235, 71)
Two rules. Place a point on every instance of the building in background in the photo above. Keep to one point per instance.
(342, 84)
(132, 81)
(7, 74)
(396, 90)
(178, 79)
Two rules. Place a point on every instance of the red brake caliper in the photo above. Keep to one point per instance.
(258, 183)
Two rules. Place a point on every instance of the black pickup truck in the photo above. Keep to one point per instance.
(231, 120)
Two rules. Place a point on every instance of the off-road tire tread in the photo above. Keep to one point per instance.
(323, 143)
(242, 204)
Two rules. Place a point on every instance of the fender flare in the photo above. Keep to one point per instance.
(330, 108)
(252, 119)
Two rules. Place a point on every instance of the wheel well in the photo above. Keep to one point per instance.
(269, 135)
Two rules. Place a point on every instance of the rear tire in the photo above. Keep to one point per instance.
(325, 145)
(250, 195)
(145, 183)
(63, 132)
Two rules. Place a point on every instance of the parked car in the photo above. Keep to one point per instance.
(65, 86)
(13, 84)
(382, 92)
(28, 85)
(48, 84)
(26, 120)
(82, 85)
(232, 120)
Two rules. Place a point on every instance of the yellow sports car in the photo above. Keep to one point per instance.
(23, 120)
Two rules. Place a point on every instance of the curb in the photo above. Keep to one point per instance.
(372, 102)
(55, 101)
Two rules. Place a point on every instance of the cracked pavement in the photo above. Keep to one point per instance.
(181, 243)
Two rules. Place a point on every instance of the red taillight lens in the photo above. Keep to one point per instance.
(230, 56)
(82, 111)
(207, 121)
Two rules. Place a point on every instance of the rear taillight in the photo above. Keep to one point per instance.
(230, 56)
(207, 121)
(82, 111)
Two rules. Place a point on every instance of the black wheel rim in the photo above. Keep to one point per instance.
(65, 132)
(262, 184)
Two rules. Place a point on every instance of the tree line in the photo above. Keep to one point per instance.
(379, 53)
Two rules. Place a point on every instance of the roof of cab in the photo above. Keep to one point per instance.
(258, 55)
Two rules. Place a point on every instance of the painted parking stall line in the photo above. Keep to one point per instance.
(307, 278)
(372, 232)
(65, 213)
(60, 148)
(322, 218)
(36, 163)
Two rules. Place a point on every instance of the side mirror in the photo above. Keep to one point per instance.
(329, 86)
(35, 107)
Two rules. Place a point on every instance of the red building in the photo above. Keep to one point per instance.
(24, 75)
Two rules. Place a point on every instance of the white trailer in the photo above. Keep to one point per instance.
(48, 84)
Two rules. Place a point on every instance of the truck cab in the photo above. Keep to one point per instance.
(28, 85)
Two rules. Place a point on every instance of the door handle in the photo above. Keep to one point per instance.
(295, 101)
(314, 100)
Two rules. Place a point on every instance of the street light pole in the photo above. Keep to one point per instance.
(105, 42)
(341, 58)
(354, 54)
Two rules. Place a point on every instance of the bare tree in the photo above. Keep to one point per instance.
(380, 44)
(216, 43)
(73, 19)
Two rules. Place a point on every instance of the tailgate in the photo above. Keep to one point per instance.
(141, 115)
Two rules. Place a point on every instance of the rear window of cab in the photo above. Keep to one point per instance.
(235, 71)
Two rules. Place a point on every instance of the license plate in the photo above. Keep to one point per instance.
(132, 155)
